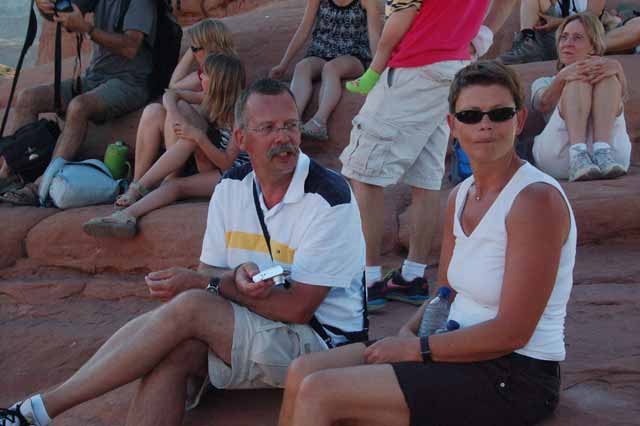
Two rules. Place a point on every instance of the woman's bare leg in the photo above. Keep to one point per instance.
(625, 37)
(333, 72)
(149, 138)
(607, 98)
(307, 70)
(366, 394)
(199, 185)
(575, 109)
(345, 356)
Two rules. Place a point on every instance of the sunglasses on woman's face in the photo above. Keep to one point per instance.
(195, 49)
(474, 116)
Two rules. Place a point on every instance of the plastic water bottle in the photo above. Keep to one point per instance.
(436, 313)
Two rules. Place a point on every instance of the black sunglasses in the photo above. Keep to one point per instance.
(196, 49)
(474, 116)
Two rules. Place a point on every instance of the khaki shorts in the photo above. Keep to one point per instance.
(401, 132)
(262, 351)
(118, 96)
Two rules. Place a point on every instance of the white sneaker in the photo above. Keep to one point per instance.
(582, 168)
(608, 166)
(14, 417)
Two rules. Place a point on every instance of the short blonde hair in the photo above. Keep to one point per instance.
(213, 36)
(227, 79)
(592, 27)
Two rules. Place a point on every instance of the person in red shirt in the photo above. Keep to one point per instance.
(401, 135)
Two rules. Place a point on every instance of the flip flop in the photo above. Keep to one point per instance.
(135, 192)
(116, 225)
(25, 196)
(315, 130)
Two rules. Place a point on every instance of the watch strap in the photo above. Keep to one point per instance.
(425, 350)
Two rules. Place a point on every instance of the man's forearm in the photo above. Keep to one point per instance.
(119, 43)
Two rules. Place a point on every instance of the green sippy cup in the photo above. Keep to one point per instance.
(115, 158)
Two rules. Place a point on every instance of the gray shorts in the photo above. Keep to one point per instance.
(261, 352)
(401, 133)
(118, 96)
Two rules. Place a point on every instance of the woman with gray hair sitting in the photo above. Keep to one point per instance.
(586, 135)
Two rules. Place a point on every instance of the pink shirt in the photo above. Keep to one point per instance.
(441, 31)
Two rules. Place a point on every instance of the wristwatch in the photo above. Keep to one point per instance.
(425, 350)
(214, 286)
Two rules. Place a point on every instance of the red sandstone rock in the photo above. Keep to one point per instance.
(171, 236)
(16, 223)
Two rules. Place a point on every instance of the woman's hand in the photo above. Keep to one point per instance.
(164, 285)
(45, 6)
(577, 71)
(601, 68)
(278, 71)
(245, 285)
(188, 132)
(393, 349)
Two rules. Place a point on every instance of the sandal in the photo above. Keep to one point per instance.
(133, 194)
(117, 225)
(25, 196)
(315, 130)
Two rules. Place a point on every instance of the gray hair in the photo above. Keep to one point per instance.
(264, 86)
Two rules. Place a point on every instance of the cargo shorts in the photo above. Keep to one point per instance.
(401, 132)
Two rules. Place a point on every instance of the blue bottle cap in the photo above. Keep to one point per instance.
(444, 292)
(452, 325)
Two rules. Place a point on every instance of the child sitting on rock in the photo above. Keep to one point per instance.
(209, 140)
(399, 15)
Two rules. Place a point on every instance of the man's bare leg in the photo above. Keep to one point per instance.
(80, 109)
(371, 203)
(193, 314)
(29, 104)
(161, 395)
(423, 218)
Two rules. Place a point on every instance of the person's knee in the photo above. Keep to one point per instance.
(80, 108)
(300, 368)
(331, 70)
(184, 308)
(303, 69)
(153, 113)
(316, 388)
(28, 99)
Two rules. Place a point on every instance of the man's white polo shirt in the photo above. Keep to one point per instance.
(315, 232)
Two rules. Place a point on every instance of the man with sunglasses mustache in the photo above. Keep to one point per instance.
(281, 209)
(401, 135)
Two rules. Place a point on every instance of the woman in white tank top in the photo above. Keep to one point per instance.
(508, 253)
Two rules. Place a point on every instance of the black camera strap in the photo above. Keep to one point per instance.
(28, 42)
(314, 323)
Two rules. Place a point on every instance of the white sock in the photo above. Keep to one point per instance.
(412, 270)
(577, 149)
(372, 274)
(600, 145)
(34, 411)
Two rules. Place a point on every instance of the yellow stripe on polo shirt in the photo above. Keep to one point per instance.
(255, 242)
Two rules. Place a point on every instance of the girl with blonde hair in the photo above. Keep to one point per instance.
(206, 135)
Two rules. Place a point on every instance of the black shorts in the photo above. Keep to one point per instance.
(511, 390)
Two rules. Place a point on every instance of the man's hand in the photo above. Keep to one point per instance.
(73, 21)
(164, 285)
(45, 6)
(245, 284)
(393, 349)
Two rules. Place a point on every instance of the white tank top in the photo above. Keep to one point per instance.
(477, 267)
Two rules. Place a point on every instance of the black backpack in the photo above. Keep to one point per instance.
(166, 47)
